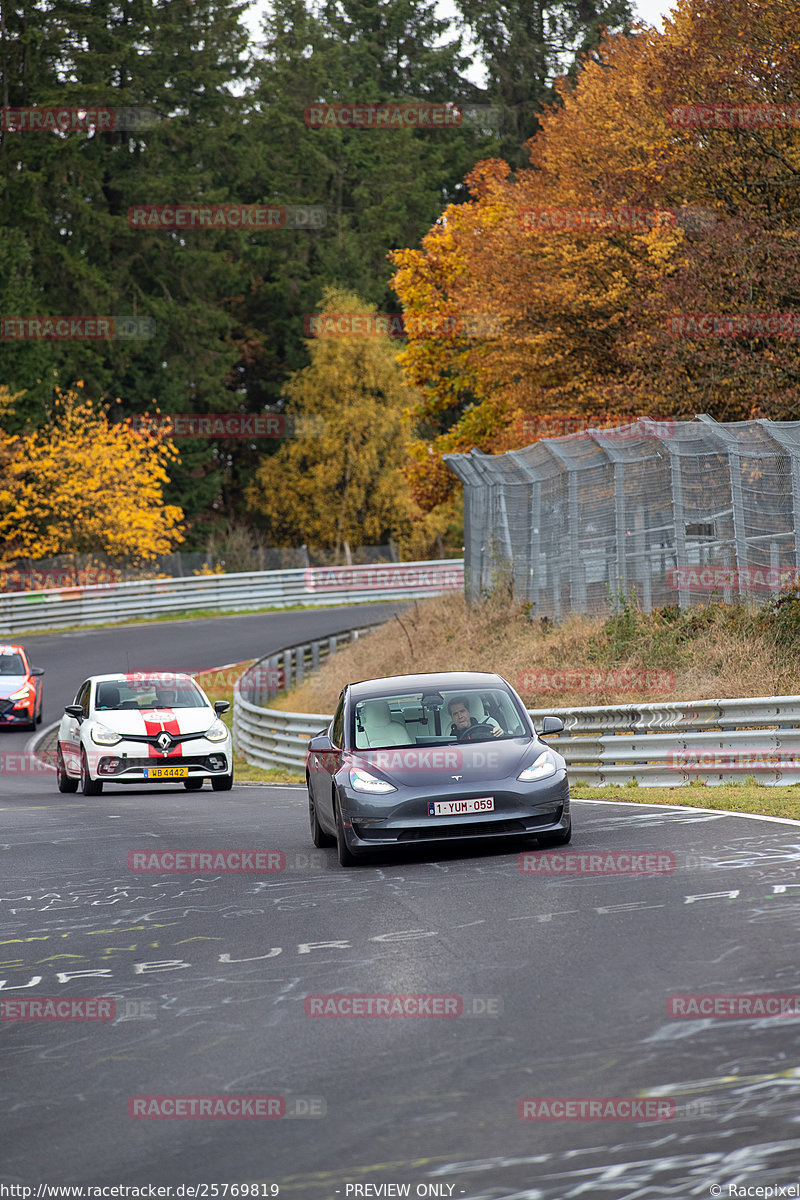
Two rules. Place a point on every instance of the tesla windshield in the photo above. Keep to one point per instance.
(436, 718)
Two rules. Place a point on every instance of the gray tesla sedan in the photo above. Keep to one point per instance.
(413, 759)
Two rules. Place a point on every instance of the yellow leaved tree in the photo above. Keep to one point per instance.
(339, 478)
(84, 484)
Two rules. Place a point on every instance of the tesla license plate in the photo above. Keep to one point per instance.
(454, 808)
(166, 772)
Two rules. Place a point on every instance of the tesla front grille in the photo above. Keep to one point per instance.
(465, 829)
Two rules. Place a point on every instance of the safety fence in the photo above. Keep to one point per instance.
(311, 587)
(673, 512)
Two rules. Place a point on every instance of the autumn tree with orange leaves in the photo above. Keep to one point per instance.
(584, 317)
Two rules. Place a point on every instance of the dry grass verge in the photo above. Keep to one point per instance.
(702, 654)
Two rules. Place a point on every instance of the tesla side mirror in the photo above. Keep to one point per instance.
(74, 710)
(221, 706)
(551, 725)
(37, 670)
(320, 743)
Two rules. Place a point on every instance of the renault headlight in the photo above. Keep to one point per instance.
(105, 737)
(218, 732)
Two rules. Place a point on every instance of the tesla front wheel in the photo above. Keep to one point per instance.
(346, 856)
(319, 837)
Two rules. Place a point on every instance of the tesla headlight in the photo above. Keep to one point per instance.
(362, 781)
(22, 694)
(105, 737)
(218, 732)
(540, 768)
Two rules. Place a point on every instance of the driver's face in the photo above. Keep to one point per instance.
(461, 716)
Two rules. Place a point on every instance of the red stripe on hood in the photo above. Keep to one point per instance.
(156, 719)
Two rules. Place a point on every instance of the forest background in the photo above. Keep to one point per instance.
(546, 324)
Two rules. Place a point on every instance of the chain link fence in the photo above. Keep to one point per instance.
(666, 512)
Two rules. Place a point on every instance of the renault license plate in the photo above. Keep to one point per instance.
(166, 772)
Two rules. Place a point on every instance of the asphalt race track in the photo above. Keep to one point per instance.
(561, 982)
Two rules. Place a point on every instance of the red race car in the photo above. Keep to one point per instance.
(20, 689)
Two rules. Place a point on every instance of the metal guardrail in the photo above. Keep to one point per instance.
(679, 742)
(670, 744)
(266, 736)
(22, 612)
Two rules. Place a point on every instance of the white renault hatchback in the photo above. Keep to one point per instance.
(143, 728)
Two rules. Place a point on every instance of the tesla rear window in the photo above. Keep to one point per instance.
(434, 718)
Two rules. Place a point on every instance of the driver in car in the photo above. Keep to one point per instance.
(459, 710)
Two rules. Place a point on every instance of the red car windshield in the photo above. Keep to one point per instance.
(12, 664)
